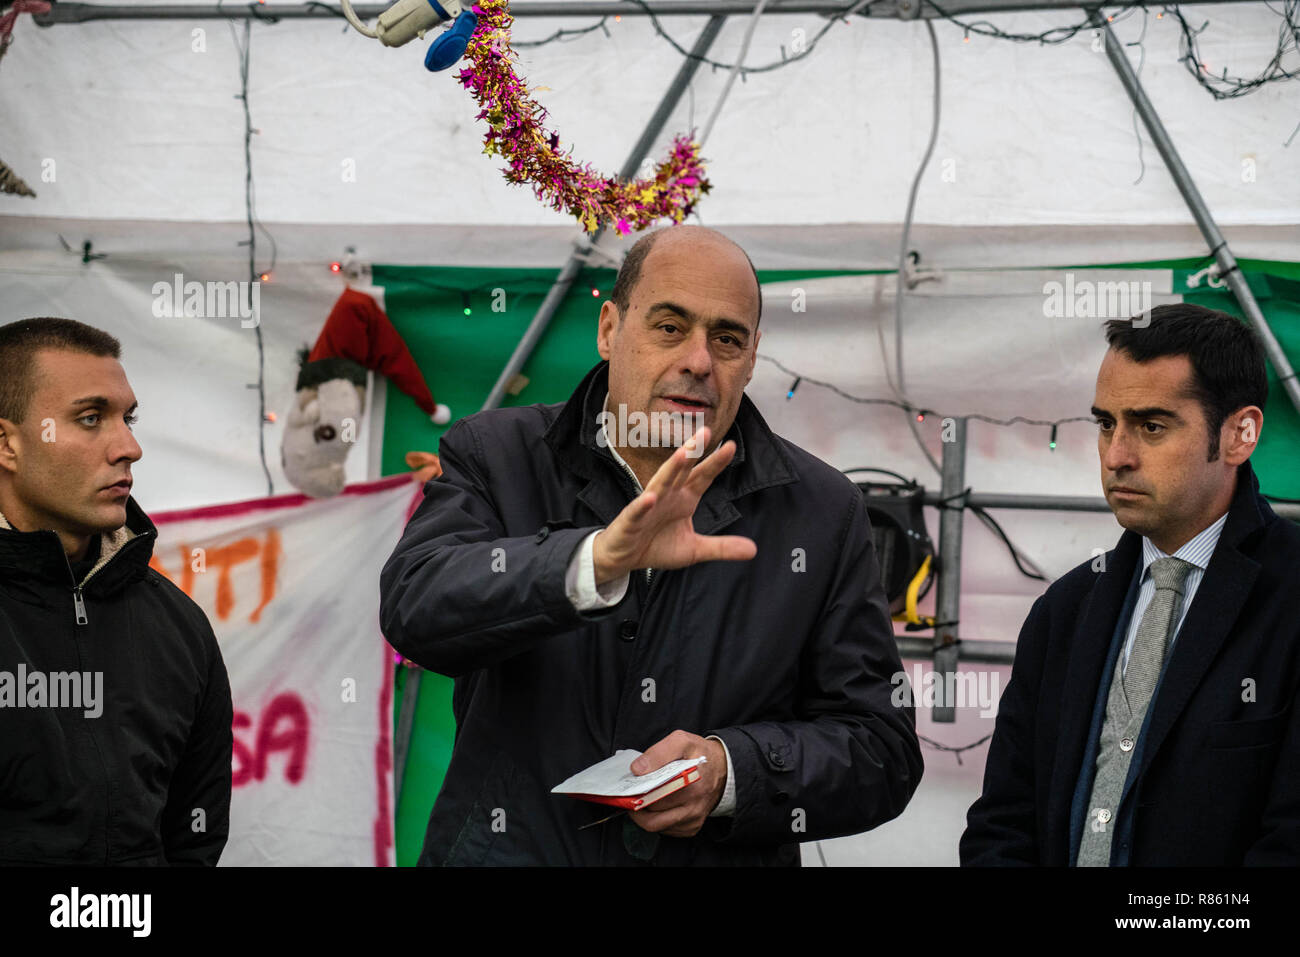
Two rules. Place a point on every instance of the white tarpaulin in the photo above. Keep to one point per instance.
(139, 120)
(289, 585)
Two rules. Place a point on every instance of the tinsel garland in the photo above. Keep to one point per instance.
(516, 132)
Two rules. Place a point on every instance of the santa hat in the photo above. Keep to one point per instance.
(358, 330)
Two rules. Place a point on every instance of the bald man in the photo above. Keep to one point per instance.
(648, 567)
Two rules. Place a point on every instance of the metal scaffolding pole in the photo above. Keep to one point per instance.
(879, 10)
(989, 652)
(1227, 263)
(560, 288)
(1063, 503)
(947, 606)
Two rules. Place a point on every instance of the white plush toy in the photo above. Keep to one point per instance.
(325, 420)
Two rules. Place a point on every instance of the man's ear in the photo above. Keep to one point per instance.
(10, 446)
(1240, 434)
(608, 322)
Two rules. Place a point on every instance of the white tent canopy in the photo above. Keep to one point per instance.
(139, 120)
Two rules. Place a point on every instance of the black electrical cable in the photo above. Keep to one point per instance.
(244, 58)
(955, 751)
(1051, 36)
(1224, 87)
(832, 19)
(559, 36)
(992, 523)
(910, 483)
(337, 11)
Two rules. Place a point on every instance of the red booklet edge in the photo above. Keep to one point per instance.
(635, 803)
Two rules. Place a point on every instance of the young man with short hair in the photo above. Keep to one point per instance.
(115, 711)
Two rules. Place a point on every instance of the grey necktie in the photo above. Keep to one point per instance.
(1148, 654)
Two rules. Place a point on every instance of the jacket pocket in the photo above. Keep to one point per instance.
(1251, 733)
(484, 833)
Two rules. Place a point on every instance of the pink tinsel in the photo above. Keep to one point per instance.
(532, 154)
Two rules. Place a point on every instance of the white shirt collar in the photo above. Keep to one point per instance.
(1197, 551)
(604, 407)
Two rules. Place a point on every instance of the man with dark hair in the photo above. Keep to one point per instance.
(115, 711)
(566, 571)
(1150, 718)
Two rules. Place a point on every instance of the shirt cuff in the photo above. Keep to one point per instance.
(580, 580)
(727, 805)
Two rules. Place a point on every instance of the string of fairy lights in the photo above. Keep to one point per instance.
(920, 412)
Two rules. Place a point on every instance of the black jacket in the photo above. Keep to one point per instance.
(121, 787)
(790, 667)
(1217, 779)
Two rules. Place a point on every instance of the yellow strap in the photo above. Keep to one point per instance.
(913, 589)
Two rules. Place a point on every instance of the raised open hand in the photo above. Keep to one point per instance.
(655, 530)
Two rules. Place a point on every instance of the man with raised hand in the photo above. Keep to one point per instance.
(647, 566)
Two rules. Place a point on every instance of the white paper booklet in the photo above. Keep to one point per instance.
(613, 776)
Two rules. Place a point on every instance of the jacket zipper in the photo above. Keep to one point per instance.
(78, 603)
(79, 609)
(78, 600)
(636, 484)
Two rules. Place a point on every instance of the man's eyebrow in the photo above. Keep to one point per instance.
(731, 325)
(99, 401)
(1146, 412)
(1151, 412)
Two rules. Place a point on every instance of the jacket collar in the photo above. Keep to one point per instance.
(760, 461)
(124, 553)
(1212, 616)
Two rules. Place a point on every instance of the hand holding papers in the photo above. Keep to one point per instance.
(612, 782)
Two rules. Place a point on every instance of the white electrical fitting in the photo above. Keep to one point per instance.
(404, 20)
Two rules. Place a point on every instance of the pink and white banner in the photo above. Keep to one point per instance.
(291, 587)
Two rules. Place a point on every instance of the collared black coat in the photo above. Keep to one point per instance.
(1217, 781)
(120, 788)
(788, 657)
